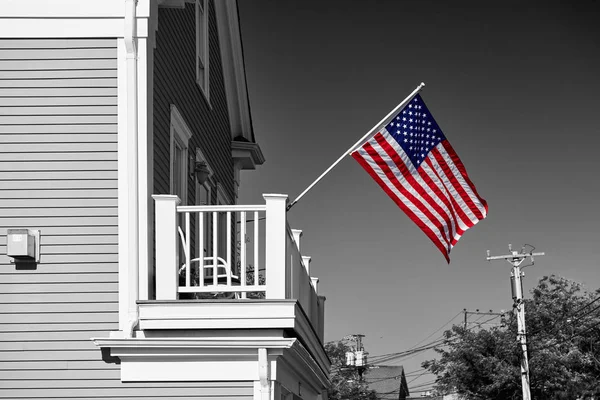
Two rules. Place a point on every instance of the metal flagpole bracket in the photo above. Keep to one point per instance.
(360, 141)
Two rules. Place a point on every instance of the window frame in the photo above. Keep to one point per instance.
(202, 63)
(180, 135)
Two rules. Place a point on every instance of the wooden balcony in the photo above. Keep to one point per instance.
(231, 267)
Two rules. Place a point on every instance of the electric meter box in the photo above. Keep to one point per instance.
(20, 243)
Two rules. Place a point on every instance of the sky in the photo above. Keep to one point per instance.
(515, 88)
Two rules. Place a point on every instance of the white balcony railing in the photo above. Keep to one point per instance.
(246, 252)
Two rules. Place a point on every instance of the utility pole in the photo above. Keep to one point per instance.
(516, 258)
(357, 358)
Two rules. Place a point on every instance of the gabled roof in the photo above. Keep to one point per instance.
(387, 380)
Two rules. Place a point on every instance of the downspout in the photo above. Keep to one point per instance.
(132, 166)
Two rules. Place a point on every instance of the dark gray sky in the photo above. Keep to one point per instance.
(515, 88)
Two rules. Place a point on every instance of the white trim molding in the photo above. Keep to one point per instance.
(267, 357)
(180, 135)
(202, 14)
(233, 69)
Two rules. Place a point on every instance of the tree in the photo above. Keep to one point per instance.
(563, 334)
(345, 382)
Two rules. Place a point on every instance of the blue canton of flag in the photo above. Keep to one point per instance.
(416, 131)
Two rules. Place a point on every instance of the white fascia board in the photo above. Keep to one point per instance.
(69, 18)
(69, 8)
(233, 69)
(67, 27)
(192, 359)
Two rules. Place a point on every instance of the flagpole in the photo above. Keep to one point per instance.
(373, 131)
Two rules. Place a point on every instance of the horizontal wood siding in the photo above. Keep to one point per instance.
(58, 173)
(175, 83)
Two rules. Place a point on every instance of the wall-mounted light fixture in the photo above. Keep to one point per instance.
(201, 171)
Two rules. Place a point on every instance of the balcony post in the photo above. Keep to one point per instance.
(275, 245)
(321, 316)
(165, 222)
(306, 262)
(297, 233)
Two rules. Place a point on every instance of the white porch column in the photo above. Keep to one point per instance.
(275, 245)
(165, 222)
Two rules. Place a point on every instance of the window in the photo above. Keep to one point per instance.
(180, 136)
(202, 46)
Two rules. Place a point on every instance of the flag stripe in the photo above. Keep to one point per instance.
(456, 190)
(358, 156)
(432, 179)
(400, 161)
(427, 216)
(455, 179)
(482, 204)
(429, 168)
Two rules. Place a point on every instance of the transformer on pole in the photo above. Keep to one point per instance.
(357, 357)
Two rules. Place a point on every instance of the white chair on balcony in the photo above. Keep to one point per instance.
(219, 267)
(221, 270)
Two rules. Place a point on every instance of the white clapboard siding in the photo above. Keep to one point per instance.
(59, 194)
(52, 308)
(56, 74)
(59, 278)
(57, 119)
(57, 337)
(58, 146)
(60, 156)
(79, 374)
(29, 220)
(73, 128)
(58, 138)
(12, 65)
(58, 174)
(72, 239)
(41, 366)
(59, 82)
(57, 297)
(57, 166)
(47, 345)
(36, 175)
(62, 110)
(82, 287)
(42, 329)
(67, 212)
(137, 392)
(63, 268)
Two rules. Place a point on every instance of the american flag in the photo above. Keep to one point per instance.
(415, 165)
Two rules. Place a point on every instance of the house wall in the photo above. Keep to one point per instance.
(58, 174)
(175, 83)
